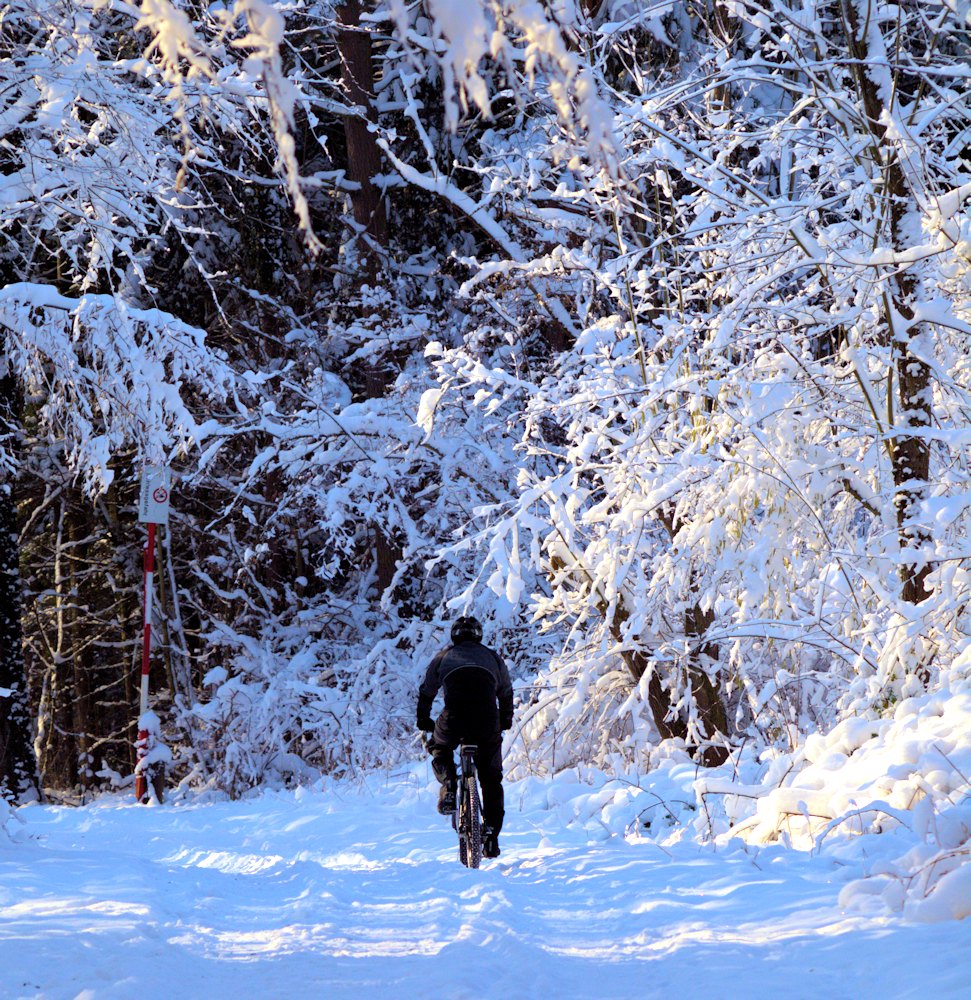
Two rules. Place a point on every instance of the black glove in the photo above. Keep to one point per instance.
(505, 722)
(426, 724)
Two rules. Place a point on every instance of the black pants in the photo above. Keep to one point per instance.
(488, 762)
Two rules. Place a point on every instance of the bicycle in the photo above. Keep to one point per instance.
(467, 818)
(467, 815)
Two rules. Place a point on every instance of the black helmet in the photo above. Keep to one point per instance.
(466, 629)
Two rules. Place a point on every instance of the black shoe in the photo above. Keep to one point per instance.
(490, 843)
(446, 799)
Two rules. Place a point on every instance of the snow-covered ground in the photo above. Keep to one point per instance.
(355, 891)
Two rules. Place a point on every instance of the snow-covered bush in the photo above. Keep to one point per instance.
(266, 717)
(906, 777)
(890, 797)
(720, 479)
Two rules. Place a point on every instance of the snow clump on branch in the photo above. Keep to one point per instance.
(512, 34)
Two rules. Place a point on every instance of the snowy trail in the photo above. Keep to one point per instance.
(357, 893)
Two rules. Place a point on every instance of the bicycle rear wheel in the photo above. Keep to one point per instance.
(470, 824)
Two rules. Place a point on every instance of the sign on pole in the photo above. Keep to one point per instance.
(153, 509)
(153, 500)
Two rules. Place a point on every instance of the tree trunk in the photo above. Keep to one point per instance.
(363, 153)
(910, 449)
(56, 754)
(128, 614)
(724, 31)
(711, 709)
(18, 767)
(79, 532)
(363, 163)
(708, 702)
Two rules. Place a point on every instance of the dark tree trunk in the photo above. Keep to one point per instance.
(708, 702)
(82, 649)
(669, 725)
(363, 153)
(725, 31)
(128, 613)
(711, 707)
(18, 768)
(363, 163)
(910, 449)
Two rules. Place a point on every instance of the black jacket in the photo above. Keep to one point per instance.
(478, 693)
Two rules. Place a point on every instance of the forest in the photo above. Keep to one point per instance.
(639, 330)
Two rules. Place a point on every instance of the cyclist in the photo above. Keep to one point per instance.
(478, 707)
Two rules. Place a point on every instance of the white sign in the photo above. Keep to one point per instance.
(153, 501)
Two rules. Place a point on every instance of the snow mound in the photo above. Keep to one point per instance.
(906, 776)
(887, 797)
(864, 776)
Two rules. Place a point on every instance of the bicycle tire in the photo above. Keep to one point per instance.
(470, 824)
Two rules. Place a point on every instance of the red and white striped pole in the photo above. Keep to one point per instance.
(153, 510)
(141, 781)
